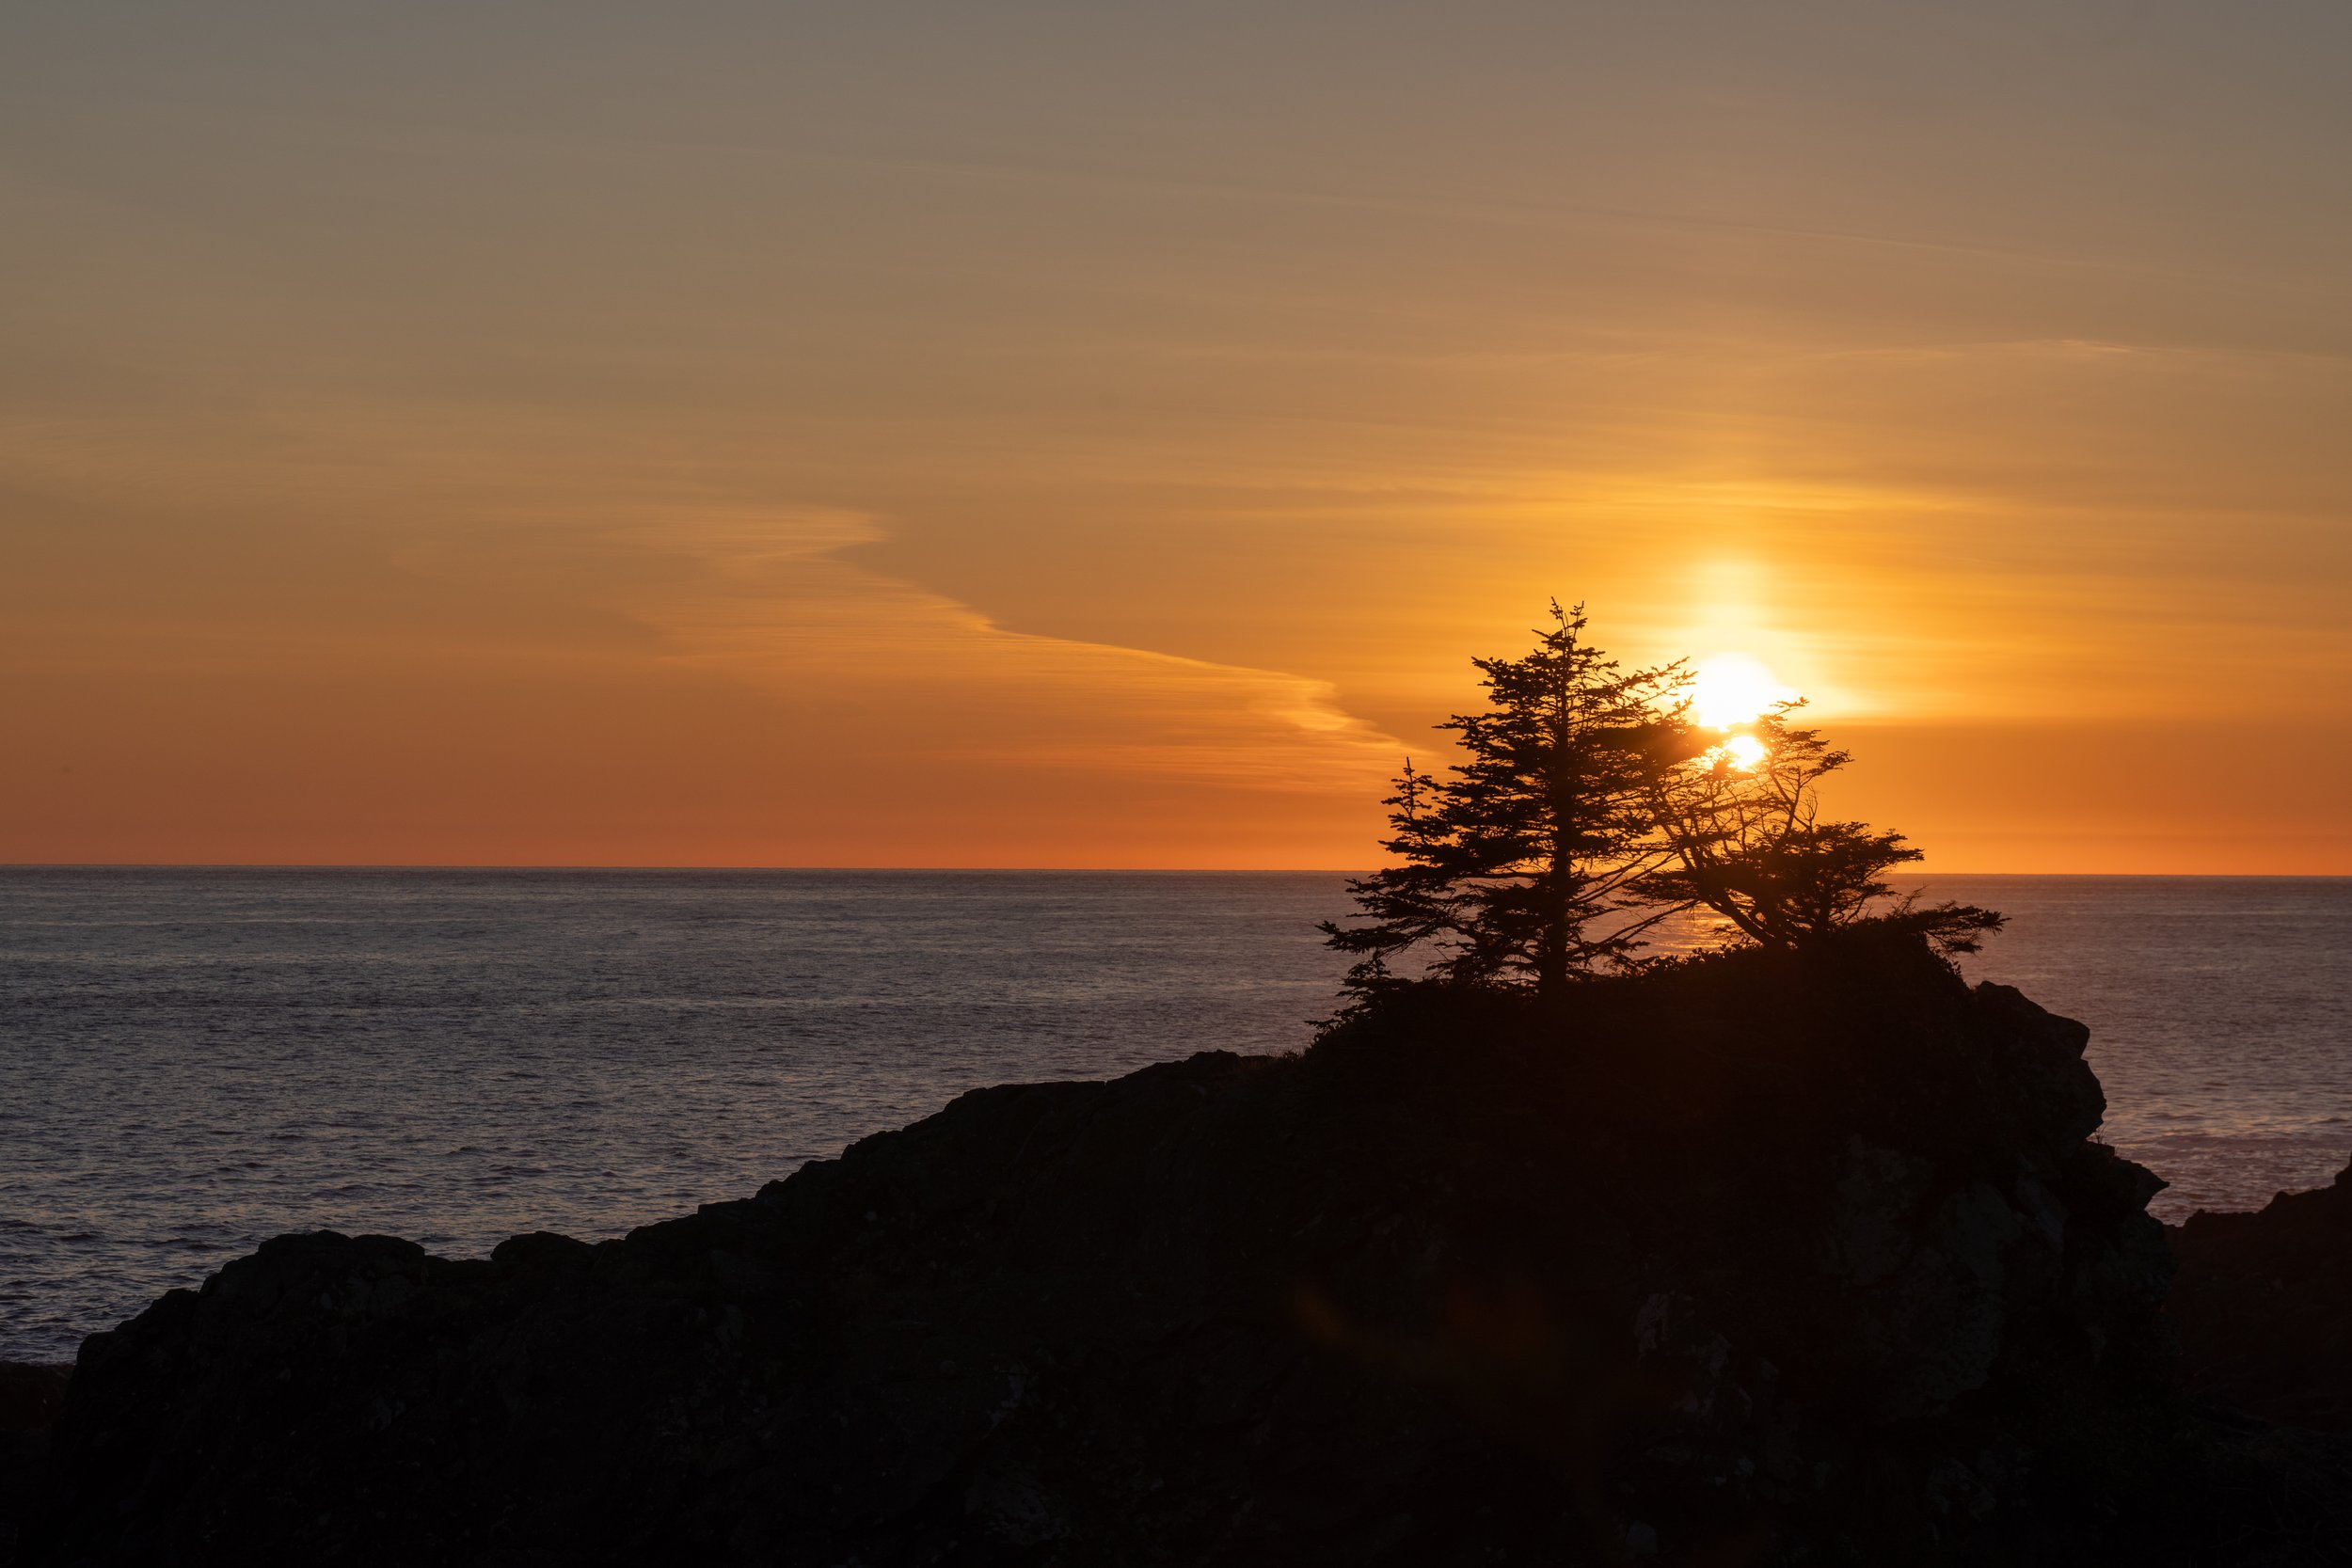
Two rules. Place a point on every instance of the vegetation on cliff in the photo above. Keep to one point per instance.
(1589, 807)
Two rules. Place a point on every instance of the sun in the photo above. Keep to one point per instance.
(1741, 753)
(1731, 689)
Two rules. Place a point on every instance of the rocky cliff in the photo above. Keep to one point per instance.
(1750, 1261)
(2264, 1307)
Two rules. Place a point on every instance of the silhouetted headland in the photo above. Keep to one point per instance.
(1767, 1257)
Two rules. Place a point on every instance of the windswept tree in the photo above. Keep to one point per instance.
(1517, 869)
(1750, 843)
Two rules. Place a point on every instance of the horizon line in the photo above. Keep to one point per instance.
(1002, 870)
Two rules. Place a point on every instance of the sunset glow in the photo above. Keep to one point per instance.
(832, 440)
(1731, 689)
(1741, 753)
(1479, 716)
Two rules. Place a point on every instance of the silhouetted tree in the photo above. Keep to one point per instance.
(1750, 844)
(1514, 870)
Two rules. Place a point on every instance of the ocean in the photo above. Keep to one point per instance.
(194, 1060)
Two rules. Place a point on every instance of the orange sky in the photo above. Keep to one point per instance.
(1042, 434)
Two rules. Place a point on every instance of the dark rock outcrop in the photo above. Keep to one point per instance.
(29, 1397)
(1751, 1260)
(2264, 1307)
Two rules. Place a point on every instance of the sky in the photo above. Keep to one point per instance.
(1088, 434)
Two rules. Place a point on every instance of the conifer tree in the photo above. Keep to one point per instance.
(1516, 870)
(1750, 844)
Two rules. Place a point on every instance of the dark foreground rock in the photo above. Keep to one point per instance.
(1745, 1263)
(30, 1399)
(2264, 1307)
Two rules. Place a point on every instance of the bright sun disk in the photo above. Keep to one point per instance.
(1741, 753)
(1731, 689)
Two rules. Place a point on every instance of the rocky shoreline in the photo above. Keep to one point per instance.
(1761, 1260)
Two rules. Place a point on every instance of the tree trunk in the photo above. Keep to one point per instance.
(1552, 950)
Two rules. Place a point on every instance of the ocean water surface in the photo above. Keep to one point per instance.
(194, 1060)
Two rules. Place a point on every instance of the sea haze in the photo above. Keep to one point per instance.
(194, 1060)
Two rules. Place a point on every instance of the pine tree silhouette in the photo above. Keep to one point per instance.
(1750, 845)
(1514, 870)
(1587, 810)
